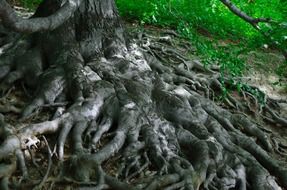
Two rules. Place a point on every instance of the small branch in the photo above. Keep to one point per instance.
(253, 21)
(10, 18)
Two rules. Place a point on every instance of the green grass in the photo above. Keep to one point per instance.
(209, 14)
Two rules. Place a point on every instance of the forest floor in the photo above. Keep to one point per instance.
(261, 64)
(260, 72)
(261, 69)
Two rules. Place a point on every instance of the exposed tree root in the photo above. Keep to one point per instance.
(145, 103)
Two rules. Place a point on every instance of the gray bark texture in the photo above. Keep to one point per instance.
(129, 112)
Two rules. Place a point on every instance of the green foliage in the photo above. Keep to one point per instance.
(30, 4)
(282, 70)
(216, 52)
(211, 15)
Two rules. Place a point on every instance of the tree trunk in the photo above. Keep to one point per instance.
(134, 119)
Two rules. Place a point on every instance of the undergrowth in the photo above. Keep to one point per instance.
(212, 19)
(211, 15)
(214, 51)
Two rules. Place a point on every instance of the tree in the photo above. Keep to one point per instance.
(126, 102)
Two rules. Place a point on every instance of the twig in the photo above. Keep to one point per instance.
(50, 154)
(253, 21)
